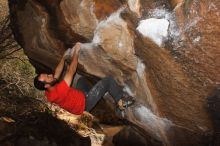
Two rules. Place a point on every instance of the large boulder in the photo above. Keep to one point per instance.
(165, 53)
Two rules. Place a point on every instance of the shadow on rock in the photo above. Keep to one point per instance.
(39, 129)
(131, 136)
(214, 111)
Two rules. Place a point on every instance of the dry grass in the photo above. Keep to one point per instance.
(16, 76)
(3, 9)
(16, 73)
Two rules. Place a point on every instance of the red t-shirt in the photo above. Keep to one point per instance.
(66, 97)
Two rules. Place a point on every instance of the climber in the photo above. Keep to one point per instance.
(73, 100)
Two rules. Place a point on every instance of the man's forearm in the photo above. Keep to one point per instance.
(72, 69)
(74, 63)
(59, 68)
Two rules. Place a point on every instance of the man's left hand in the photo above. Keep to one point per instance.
(76, 48)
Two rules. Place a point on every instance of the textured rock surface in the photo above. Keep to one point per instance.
(131, 137)
(171, 81)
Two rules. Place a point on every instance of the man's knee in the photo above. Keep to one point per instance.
(107, 82)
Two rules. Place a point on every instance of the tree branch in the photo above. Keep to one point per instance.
(2, 57)
(13, 57)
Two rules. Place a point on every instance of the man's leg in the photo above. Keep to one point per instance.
(107, 84)
(84, 85)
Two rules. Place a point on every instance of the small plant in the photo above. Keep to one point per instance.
(86, 119)
(80, 127)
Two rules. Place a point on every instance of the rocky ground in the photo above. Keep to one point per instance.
(26, 121)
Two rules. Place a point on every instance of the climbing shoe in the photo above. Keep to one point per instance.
(125, 102)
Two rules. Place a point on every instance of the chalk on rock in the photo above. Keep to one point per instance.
(155, 29)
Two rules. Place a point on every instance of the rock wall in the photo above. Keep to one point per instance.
(165, 53)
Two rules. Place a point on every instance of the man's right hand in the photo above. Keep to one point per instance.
(67, 52)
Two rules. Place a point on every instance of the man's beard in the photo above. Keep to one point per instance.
(53, 82)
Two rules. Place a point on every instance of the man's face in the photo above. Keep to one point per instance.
(48, 78)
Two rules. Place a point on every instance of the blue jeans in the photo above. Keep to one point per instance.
(95, 93)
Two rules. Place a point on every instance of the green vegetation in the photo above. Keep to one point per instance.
(16, 73)
(16, 76)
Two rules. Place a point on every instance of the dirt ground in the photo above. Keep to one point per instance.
(25, 122)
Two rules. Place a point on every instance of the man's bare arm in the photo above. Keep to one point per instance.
(73, 65)
(59, 67)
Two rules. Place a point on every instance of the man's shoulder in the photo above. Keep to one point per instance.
(62, 85)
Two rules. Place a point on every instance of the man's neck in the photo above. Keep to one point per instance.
(50, 88)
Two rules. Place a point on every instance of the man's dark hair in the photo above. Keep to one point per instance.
(39, 84)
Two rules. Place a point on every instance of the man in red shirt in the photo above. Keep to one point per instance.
(73, 100)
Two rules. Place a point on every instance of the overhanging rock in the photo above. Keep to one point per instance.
(170, 79)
